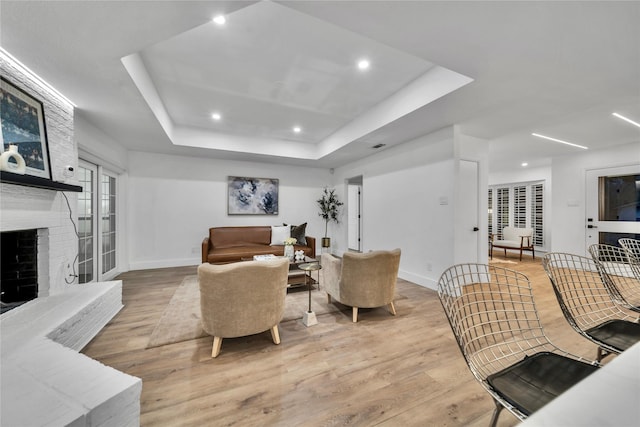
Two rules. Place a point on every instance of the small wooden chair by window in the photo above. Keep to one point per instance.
(520, 239)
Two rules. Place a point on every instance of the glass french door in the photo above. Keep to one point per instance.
(96, 223)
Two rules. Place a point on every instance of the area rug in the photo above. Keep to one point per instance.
(181, 318)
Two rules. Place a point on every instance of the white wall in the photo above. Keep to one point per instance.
(98, 148)
(402, 188)
(569, 194)
(174, 200)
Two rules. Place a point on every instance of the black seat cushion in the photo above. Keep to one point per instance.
(538, 379)
(620, 334)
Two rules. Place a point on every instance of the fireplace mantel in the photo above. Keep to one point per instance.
(37, 182)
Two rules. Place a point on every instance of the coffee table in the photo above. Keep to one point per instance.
(296, 276)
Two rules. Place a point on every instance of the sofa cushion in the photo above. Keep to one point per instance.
(222, 237)
(299, 232)
(278, 234)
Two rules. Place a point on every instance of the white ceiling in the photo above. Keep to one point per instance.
(499, 70)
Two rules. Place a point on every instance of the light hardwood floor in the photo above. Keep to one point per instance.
(382, 371)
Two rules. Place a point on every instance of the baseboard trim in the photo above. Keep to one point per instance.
(423, 281)
(148, 265)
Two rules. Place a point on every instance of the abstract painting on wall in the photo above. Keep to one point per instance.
(252, 196)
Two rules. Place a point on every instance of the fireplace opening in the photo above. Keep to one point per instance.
(19, 266)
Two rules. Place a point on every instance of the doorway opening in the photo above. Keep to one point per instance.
(354, 214)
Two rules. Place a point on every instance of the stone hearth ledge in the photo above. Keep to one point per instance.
(45, 381)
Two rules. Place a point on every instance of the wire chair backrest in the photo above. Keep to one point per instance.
(619, 272)
(632, 246)
(583, 297)
(493, 316)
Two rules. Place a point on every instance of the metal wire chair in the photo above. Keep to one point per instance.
(632, 246)
(619, 273)
(587, 305)
(496, 325)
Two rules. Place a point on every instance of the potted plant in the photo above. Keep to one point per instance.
(329, 209)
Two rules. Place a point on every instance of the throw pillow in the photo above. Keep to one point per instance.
(299, 232)
(278, 234)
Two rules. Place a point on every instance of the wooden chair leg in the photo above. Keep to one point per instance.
(275, 335)
(355, 314)
(520, 254)
(505, 253)
(392, 308)
(217, 344)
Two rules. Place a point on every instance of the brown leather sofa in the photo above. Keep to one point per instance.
(232, 244)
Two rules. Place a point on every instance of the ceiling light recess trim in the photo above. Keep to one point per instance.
(560, 141)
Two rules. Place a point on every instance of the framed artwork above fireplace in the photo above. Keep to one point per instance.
(22, 124)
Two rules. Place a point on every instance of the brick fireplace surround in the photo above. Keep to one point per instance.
(43, 378)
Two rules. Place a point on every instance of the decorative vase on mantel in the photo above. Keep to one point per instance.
(12, 161)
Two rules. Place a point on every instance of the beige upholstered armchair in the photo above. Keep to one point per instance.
(242, 298)
(361, 280)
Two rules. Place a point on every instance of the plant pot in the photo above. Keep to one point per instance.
(326, 242)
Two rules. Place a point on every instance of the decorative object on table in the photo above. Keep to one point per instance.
(299, 255)
(17, 165)
(309, 317)
(252, 196)
(288, 247)
(263, 257)
(329, 205)
(22, 124)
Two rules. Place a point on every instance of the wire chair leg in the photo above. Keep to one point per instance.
(496, 413)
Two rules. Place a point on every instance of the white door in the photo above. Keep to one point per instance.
(468, 250)
(612, 205)
(353, 217)
(96, 223)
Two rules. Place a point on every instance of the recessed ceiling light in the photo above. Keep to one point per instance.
(524, 164)
(620, 116)
(297, 129)
(220, 19)
(560, 141)
(216, 116)
(363, 64)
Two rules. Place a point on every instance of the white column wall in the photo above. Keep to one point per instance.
(174, 200)
(402, 189)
